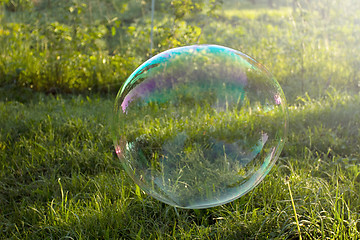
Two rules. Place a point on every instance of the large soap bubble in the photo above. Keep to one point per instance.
(199, 126)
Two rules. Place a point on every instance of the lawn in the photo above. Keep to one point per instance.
(61, 65)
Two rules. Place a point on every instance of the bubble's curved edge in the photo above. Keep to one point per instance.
(258, 176)
(166, 54)
(252, 183)
(130, 173)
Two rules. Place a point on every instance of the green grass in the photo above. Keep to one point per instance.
(60, 179)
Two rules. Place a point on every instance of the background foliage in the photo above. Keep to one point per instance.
(76, 46)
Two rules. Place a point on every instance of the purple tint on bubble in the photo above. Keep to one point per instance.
(277, 99)
(142, 90)
(126, 102)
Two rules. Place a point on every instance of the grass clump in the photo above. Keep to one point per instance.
(59, 178)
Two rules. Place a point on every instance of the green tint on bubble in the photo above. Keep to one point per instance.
(199, 126)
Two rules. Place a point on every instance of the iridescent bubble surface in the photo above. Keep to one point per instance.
(199, 126)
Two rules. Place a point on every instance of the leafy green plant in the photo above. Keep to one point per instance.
(17, 5)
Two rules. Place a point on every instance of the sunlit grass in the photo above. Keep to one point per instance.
(59, 178)
(252, 14)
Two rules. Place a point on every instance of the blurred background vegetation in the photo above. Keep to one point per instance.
(78, 46)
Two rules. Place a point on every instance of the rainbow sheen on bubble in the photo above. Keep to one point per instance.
(199, 126)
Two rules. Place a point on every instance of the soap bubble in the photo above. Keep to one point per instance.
(199, 126)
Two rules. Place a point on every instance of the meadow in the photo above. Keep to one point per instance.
(62, 63)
